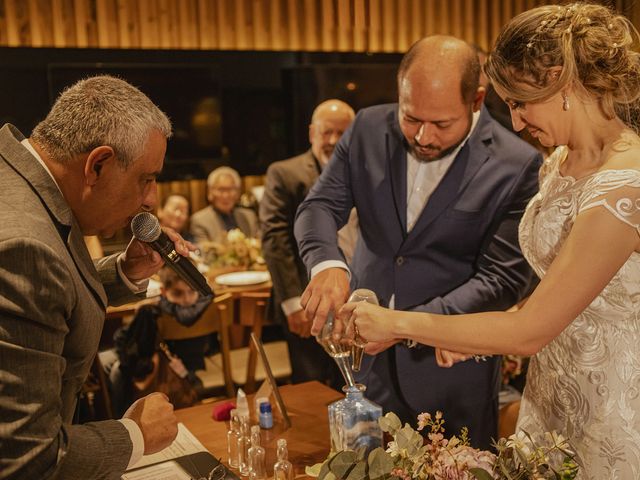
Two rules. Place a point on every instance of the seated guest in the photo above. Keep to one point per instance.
(174, 213)
(213, 222)
(132, 366)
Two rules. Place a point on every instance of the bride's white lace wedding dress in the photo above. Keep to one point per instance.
(585, 383)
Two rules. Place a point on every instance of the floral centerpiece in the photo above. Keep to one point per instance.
(410, 456)
(235, 252)
(511, 367)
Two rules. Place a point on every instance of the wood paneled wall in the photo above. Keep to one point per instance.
(310, 25)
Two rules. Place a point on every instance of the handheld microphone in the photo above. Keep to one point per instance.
(146, 228)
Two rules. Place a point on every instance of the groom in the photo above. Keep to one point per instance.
(439, 187)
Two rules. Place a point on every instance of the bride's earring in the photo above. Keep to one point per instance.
(565, 102)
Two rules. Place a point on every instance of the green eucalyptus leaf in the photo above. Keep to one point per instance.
(342, 463)
(480, 474)
(410, 440)
(380, 463)
(313, 470)
(390, 423)
(359, 472)
(324, 470)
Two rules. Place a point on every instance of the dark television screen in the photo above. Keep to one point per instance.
(240, 108)
(188, 94)
(360, 85)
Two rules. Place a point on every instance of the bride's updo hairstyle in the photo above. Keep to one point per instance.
(591, 43)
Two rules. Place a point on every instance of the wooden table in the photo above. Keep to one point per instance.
(237, 290)
(307, 439)
(118, 316)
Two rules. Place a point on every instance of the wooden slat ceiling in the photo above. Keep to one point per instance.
(310, 25)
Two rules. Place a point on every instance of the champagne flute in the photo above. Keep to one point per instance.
(357, 347)
(337, 349)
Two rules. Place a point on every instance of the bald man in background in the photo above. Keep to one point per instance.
(440, 188)
(288, 182)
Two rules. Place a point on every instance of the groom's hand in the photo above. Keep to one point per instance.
(327, 292)
(373, 348)
(448, 358)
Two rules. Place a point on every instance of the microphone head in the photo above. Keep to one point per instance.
(145, 227)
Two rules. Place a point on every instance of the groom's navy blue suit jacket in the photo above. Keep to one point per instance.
(461, 256)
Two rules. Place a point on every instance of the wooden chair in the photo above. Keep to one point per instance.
(95, 398)
(215, 319)
(246, 370)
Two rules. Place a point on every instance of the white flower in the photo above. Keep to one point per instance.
(235, 235)
(520, 441)
(555, 439)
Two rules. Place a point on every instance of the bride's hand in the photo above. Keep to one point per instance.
(373, 323)
(447, 358)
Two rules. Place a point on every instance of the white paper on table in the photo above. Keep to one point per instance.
(184, 444)
(169, 470)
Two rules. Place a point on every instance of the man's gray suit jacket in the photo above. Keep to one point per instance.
(207, 226)
(52, 307)
(288, 182)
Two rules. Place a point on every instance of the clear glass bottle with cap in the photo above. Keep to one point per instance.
(257, 456)
(244, 443)
(283, 468)
(232, 439)
(353, 421)
(266, 415)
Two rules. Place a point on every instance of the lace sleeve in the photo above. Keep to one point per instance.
(616, 190)
(551, 164)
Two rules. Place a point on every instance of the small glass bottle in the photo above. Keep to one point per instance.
(266, 416)
(353, 421)
(283, 468)
(232, 439)
(244, 443)
(258, 469)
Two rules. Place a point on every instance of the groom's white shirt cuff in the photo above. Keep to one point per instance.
(330, 264)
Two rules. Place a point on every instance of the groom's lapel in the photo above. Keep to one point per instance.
(397, 161)
(465, 166)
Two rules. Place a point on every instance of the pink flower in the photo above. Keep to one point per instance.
(423, 420)
(400, 473)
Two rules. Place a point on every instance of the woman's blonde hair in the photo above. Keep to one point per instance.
(593, 45)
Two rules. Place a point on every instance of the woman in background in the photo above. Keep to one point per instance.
(571, 78)
(174, 213)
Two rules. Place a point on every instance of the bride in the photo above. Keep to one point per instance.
(570, 77)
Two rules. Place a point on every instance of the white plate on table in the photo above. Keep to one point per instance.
(236, 279)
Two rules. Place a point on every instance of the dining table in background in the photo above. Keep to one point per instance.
(123, 314)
